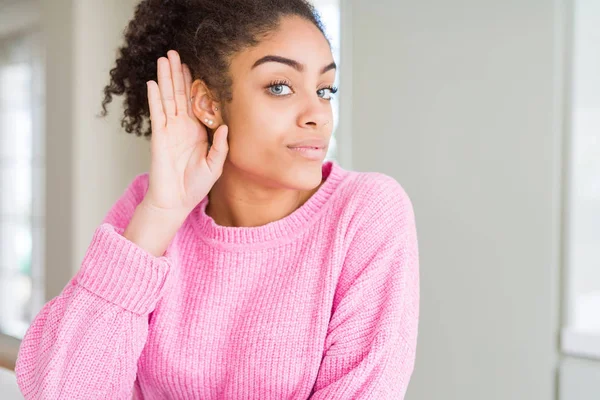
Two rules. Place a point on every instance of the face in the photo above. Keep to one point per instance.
(279, 103)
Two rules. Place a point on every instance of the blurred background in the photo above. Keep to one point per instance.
(486, 111)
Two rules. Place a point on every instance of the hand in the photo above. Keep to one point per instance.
(181, 172)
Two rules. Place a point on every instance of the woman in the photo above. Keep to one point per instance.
(241, 265)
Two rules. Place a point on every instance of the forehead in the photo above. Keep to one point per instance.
(296, 38)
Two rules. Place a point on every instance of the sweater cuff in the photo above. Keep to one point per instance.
(121, 272)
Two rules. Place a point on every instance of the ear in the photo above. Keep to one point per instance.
(204, 107)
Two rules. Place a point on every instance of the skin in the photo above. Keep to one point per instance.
(262, 179)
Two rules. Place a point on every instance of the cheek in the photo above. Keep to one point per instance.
(261, 124)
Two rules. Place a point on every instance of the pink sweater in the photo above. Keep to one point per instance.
(322, 304)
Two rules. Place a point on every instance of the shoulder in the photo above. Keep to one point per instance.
(381, 229)
(136, 189)
(123, 208)
(378, 195)
(139, 184)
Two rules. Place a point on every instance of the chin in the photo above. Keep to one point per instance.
(306, 175)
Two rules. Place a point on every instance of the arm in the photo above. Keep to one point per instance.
(372, 336)
(85, 343)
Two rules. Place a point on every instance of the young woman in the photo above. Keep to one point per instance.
(241, 266)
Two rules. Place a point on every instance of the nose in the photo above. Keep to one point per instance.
(315, 115)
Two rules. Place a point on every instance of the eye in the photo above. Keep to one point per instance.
(331, 89)
(278, 88)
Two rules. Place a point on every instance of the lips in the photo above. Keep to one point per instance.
(306, 147)
(310, 143)
(311, 153)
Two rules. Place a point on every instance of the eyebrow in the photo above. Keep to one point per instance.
(292, 63)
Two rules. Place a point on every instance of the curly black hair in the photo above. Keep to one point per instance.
(205, 33)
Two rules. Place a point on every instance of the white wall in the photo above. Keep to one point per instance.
(461, 102)
(90, 161)
(106, 158)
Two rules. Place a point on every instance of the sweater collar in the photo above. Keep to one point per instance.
(276, 231)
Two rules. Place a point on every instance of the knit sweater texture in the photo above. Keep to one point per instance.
(322, 304)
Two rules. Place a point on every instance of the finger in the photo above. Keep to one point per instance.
(187, 74)
(157, 115)
(165, 85)
(218, 151)
(181, 101)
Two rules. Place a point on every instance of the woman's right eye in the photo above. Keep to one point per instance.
(278, 90)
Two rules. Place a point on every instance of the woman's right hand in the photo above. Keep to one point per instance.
(181, 172)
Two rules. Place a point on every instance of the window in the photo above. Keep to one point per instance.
(581, 335)
(21, 175)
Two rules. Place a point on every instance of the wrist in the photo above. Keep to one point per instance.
(170, 217)
(153, 228)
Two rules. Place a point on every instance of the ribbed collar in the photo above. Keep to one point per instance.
(276, 231)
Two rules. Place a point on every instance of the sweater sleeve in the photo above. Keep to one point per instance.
(85, 343)
(372, 335)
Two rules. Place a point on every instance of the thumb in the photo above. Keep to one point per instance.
(219, 149)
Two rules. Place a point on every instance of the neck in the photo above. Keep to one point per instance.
(235, 202)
